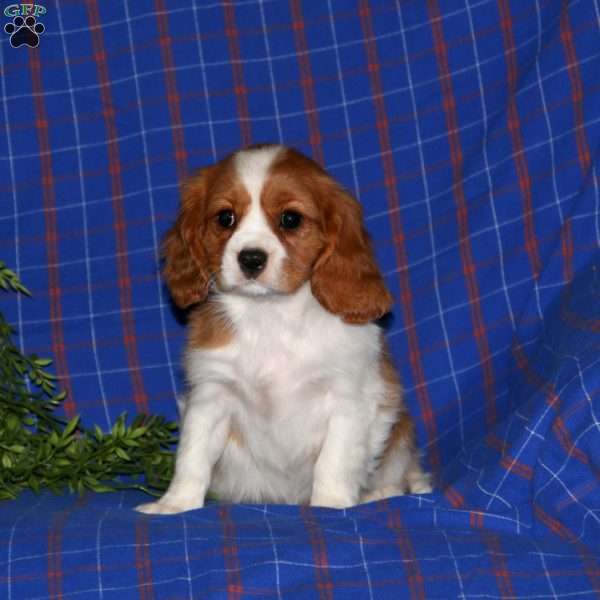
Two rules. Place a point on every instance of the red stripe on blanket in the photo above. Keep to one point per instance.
(240, 90)
(173, 100)
(306, 81)
(508, 462)
(319, 551)
(466, 254)
(143, 562)
(566, 35)
(55, 552)
(453, 496)
(235, 587)
(566, 243)
(393, 200)
(514, 127)
(410, 562)
(51, 234)
(55, 573)
(114, 168)
(499, 566)
(553, 524)
(476, 520)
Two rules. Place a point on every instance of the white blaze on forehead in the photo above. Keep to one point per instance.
(253, 230)
(252, 167)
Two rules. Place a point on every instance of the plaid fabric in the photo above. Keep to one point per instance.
(470, 133)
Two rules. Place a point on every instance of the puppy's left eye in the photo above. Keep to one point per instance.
(290, 219)
(226, 218)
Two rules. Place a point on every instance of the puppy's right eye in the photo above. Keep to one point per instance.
(290, 219)
(226, 218)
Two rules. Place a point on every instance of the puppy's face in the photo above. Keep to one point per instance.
(271, 225)
(266, 220)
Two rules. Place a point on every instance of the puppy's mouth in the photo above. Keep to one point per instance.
(252, 287)
(247, 287)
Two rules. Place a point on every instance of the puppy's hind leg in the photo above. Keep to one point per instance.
(399, 471)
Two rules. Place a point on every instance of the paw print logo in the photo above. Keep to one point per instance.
(24, 31)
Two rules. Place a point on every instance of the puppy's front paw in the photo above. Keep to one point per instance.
(387, 491)
(332, 502)
(421, 486)
(332, 498)
(163, 508)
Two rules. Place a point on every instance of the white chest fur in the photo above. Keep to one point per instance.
(289, 365)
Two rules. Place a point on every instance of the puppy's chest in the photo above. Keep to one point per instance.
(274, 368)
(277, 388)
(283, 359)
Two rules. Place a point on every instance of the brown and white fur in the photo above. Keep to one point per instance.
(292, 397)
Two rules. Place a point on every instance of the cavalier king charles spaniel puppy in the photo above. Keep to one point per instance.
(292, 397)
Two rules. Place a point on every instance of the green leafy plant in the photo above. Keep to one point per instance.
(39, 449)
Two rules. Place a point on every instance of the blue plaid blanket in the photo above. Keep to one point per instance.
(469, 131)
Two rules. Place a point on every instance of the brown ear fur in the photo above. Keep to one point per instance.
(185, 267)
(346, 279)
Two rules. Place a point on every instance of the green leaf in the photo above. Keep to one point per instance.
(42, 362)
(12, 423)
(102, 488)
(118, 428)
(137, 433)
(122, 454)
(71, 427)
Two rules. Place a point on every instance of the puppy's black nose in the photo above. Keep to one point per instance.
(252, 261)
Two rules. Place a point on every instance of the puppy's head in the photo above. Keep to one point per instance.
(264, 221)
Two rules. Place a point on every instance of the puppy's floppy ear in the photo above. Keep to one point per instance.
(185, 262)
(346, 279)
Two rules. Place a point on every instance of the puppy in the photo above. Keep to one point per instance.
(292, 396)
